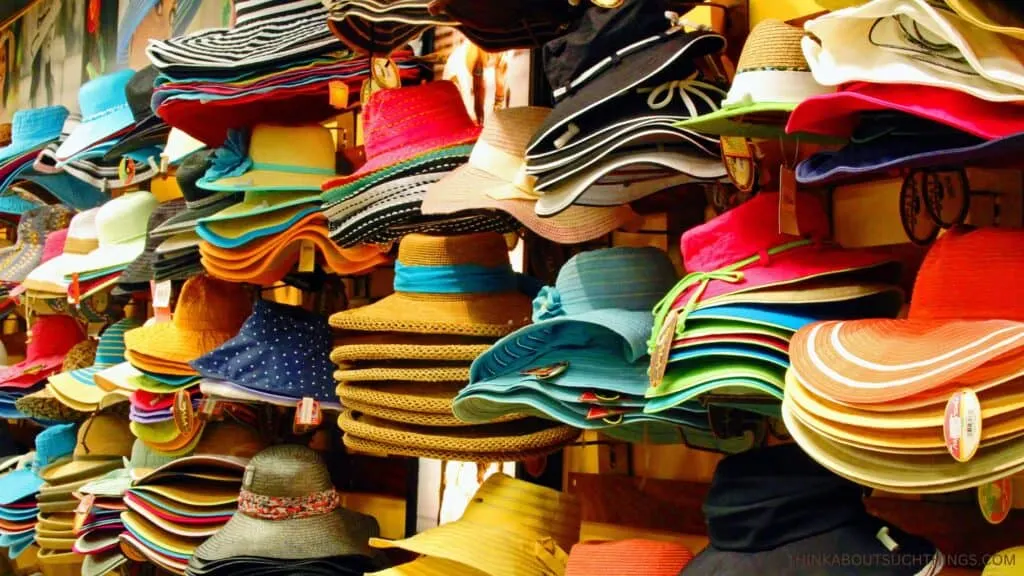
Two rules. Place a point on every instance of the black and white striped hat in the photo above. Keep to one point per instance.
(265, 32)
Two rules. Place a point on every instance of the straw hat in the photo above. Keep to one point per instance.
(488, 305)
(209, 313)
(288, 509)
(508, 529)
(279, 158)
(417, 403)
(384, 346)
(103, 441)
(632, 557)
(408, 372)
(78, 384)
(43, 405)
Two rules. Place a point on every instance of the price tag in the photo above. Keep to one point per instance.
(85, 505)
(74, 290)
(996, 500)
(788, 221)
(307, 256)
(738, 157)
(961, 426)
(338, 94)
(307, 415)
(161, 292)
(662, 349)
(184, 416)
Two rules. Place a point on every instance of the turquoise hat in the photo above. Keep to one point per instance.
(32, 129)
(105, 112)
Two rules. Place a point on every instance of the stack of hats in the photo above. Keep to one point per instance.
(50, 340)
(721, 335)
(614, 118)
(259, 240)
(43, 405)
(276, 63)
(176, 503)
(289, 520)
(775, 511)
(98, 522)
(209, 312)
(279, 356)
(930, 403)
(47, 281)
(35, 227)
(104, 440)
(510, 526)
(414, 137)
(454, 295)
(19, 488)
(77, 388)
(143, 270)
(583, 361)
(144, 140)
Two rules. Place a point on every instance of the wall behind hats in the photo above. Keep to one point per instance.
(57, 45)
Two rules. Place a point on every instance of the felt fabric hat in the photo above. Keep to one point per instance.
(208, 314)
(769, 508)
(772, 77)
(105, 113)
(78, 385)
(495, 179)
(31, 129)
(199, 202)
(633, 557)
(947, 341)
(543, 520)
(139, 273)
(305, 163)
(261, 36)
(280, 349)
(121, 231)
(461, 285)
(35, 226)
(51, 339)
(288, 509)
(103, 440)
(913, 42)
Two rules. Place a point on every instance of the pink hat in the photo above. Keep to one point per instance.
(54, 245)
(52, 337)
(837, 114)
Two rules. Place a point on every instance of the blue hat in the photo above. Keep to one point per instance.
(31, 129)
(51, 444)
(71, 191)
(280, 349)
(105, 112)
(603, 297)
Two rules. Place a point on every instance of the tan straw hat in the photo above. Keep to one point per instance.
(510, 528)
(436, 347)
(447, 285)
(419, 403)
(103, 441)
(405, 372)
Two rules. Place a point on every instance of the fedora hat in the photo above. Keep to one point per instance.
(32, 129)
(121, 231)
(506, 529)
(265, 164)
(52, 337)
(103, 440)
(489, 304)
(105, 113)
(78, 384)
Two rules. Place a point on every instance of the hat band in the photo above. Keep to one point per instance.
(508, 167)
(454, 279)
(293, 168)
(278, 508)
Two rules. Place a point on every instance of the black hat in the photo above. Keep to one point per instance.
(149, 129)
(137, 275)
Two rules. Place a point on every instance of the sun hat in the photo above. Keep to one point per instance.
(199, 203)
(423, 398)
(267, 165)
(222, 453)
(35, 227)
(280, 349)
(495, 179)
(508, 527)
(180, 146)
(63, 187)
(147, 130)
(51, 339)
(33, 128)
(405, 372)
(948, 334)
(103, 440)
(403, 123)
(153, 365)
(121, 231)
(269, 205)
(913, 42)
(632, 557)
(461, 285)
(105, 113)
(772, 77)
(991, 16)
(380, 27)
(260, 222)
(208, 314)
(288, 509)
(260, 37)
(80, 239)
(78, 384)
(43, 405)
(337, 199)
(838, 113)
(139, 273)
(51, 444)
(385, 346)
(774, 510)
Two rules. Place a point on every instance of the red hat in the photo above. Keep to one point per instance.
(403, 123)
(54, 244)
(52, 338)
(965, 328)
(837, 114)
(627, 558)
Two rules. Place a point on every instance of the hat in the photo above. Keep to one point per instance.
(139, 273)
(43, 405)
(368, 26)
(33, 128)
(51, 339)
(838, 113)
(180, 146)
(105, 112)
(280, 158)
(1002, 563)
(81, 239)
(806, 513)
(952, 332)
(288, 509)
(913, 42)
(344, 198)
(78, 385)
(509, 527)
(772, 77)
(293, 30)
(208, 314)
(257, 217)
(991, 16)
(121, 231)
(402, 124)
(626, 557)
(147, 131)
(280, 349)
(460, 285)
(199, 202)
(420, 403)
(222, 452)
(495, 179)
(63, 187)
(385, 346)
(35, 227)
(103, 440)
(52, 444)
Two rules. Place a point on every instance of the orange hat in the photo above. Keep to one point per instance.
(627, 558)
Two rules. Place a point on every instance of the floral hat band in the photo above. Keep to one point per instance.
(277, 508)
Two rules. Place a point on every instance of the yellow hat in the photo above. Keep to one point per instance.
(1006, 563)
(103, 441)
(282, 158)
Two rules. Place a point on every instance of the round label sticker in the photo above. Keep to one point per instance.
(385, 73)
(995, 500)
(918, 224)
(961, 426)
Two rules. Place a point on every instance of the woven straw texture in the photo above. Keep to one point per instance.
(397, 351)
(406, 417)
(374, 447)
(773, 45)
(405, 374)
(522, 435)
(45, 406)
(81, 355)
(424, 398)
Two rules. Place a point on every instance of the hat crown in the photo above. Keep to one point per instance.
(104, 94)
(207, 303)
(54, 245)
(54, 442)
(38, 124)
(299, 147)
(287, 470)
(622, 278)
(748, 230)
(124, 218)
(487, 249)
(139, 92)
(104, 434)
(258, 11)
(111, 348)
(191, 170)
(528, 509)
(53, 335)
(511, 129)
(394, 119)
(773, 45)
(772, 68)
(83, 225)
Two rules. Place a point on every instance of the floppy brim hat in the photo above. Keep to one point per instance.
(257, 203)
(431, 347)
(76, 470)
(269, 180)
(45, 406)
(238, 232)
(443, 160)
(420, 397)
(66, 188)
(18, 485)
(990, 16)
(108, 258)
(165, 344)
(89, 132)
(212, 388)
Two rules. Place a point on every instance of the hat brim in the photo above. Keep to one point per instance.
(211, 387)
(254, 205)
(18, 485)
(990, 16)
(79, 385)
(426, 347)
(167, 342)
(199, 494)
(758, 120)
(89, 133)
(422, 397)
(186, 220)
(106, 259)
(425, 373)
(236, 233)
(443, 160)
(75, 470)
(262, 180)
(18, 376)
